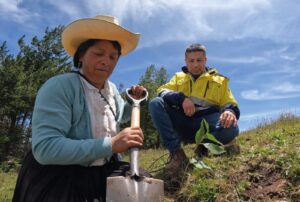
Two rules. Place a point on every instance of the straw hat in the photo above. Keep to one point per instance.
(99, 27)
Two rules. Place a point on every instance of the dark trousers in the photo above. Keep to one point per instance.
(175, 127)
(65, 183)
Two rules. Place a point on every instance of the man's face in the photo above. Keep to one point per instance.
(195, 62)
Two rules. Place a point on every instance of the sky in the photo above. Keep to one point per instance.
(256, 43)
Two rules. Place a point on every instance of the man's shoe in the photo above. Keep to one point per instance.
(178, 159)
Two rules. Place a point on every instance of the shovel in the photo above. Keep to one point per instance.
(133, 187)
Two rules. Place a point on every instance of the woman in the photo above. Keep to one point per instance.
(75, 136)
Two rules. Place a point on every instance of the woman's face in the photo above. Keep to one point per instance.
(98, 62)
(195, 62)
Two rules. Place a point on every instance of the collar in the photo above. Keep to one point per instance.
(208, 70)
(89, 85)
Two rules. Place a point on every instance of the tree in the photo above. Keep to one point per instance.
(23, 75)
(151, 80)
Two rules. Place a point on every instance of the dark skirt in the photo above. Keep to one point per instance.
(65, 183)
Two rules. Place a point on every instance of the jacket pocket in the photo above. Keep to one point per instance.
(213, 92)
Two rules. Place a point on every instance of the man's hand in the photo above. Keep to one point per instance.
(228, 118)
(188, 107)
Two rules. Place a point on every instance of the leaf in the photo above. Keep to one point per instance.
(199, 136)
(212, 138)
(193, 161)
(199, 164)
(201, 133)
(214, 149)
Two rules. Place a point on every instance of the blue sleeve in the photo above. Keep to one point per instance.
(52, 140)
(173, 98)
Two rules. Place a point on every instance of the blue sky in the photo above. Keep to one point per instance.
(256, 43)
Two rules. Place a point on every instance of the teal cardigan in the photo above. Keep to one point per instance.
(61, 126)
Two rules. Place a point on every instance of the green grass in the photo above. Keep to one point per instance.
(7, 185)
(266, 169)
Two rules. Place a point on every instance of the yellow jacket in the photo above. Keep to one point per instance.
(209, 89)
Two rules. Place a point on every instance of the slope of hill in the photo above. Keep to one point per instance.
(266, 169)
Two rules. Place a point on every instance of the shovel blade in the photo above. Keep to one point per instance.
(125, 189)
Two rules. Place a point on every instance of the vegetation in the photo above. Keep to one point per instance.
(20, 78)
(151, 80)
(266, 169)
(7, 185)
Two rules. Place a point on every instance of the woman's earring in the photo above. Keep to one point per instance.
(79, 64)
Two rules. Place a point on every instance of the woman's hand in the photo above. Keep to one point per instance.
(188, 107)
(228, 118)
(129, 137)
(138, 92)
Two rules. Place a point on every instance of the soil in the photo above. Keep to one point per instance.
(267, 181)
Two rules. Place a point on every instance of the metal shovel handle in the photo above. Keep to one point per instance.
(134, 151)
(136, 102)
(135, 122)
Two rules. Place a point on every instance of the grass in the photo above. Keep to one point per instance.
(7, 185)
(266, 169)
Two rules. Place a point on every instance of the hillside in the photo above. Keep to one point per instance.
(266, 169)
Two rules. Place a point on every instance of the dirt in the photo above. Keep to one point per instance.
(267, 182)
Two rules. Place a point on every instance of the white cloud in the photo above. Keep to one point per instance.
(248, 121)
(242, 60)
(162, 21)
(279, 91)
(11, 10)
(265, 114)
(287, 87)
(73, 9)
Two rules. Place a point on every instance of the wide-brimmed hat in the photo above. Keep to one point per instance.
(99, 27)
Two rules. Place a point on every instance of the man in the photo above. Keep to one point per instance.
(196, 93)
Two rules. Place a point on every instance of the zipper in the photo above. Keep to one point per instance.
(206, 88)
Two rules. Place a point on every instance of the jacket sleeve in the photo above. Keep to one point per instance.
(233, 108)
(169, 92)
(228, 102)
(52, 122)
(174, 99)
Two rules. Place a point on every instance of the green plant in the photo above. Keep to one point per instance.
(213, 145)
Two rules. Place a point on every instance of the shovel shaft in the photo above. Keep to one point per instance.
(134, 151)
(134, 188)
(135, 117)
(134, 159)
